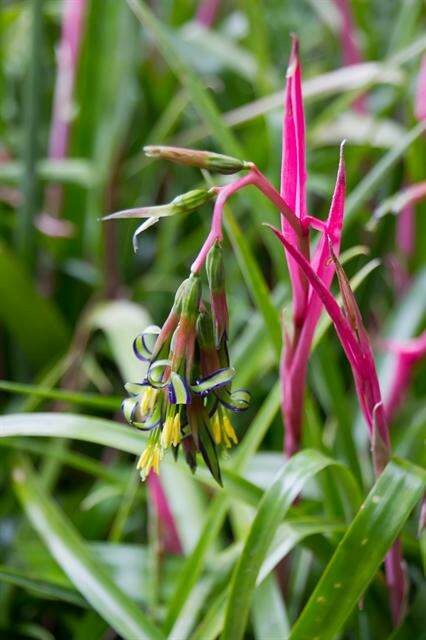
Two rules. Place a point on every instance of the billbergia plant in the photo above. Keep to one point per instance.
(256, 340)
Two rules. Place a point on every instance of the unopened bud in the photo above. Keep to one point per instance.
(215, 268)
(216, 276)
(191, 200)
(205, 332)
(191, 296)
(203, 159)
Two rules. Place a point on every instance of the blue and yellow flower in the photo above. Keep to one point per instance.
(187, 395)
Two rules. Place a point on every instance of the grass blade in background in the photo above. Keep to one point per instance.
(363, 548)
(272, 509)
(69, 550)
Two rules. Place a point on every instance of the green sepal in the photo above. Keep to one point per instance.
(208, 451)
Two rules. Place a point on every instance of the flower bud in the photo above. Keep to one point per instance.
(191, 296)
(216, 276)
(205, 332)
(191, 200)
(203, 159)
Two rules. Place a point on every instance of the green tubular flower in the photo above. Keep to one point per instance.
(216, 277)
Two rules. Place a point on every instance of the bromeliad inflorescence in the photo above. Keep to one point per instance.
(186, 397)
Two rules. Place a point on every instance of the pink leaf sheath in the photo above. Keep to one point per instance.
(207, 11)
(351, 52)
(294, 361)
(420, 101)
(408, 353)
(293, 172)
(67, 56)
(359, 354)
(355, 345)
(168, 531)
(405, 230)
(406, 223)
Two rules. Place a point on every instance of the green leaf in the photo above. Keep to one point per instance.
(272, 509)
(43, 588)
(268, 611)
(69, 550)
(68, 425)
(91, 400)
(363, 548)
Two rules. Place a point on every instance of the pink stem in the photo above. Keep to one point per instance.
(257, 179)
(168, 530)
(420, 103)
(396, 582)
(216, 233)
(405, 230)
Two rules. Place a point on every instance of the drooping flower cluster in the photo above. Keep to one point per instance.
(187, 397)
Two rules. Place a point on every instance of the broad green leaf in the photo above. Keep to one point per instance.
(70, 551)
(363, 548)
(272, 509)
(128, 565)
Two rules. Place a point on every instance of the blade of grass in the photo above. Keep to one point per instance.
(42, 588)
(69, 550)
(68, 425)
(202, 101)
(70, 458)
(272, 509)
(363, 548)
(89, 400)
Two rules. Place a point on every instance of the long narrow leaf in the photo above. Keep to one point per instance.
(272, 508)
(69, 550)
(363, 548)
